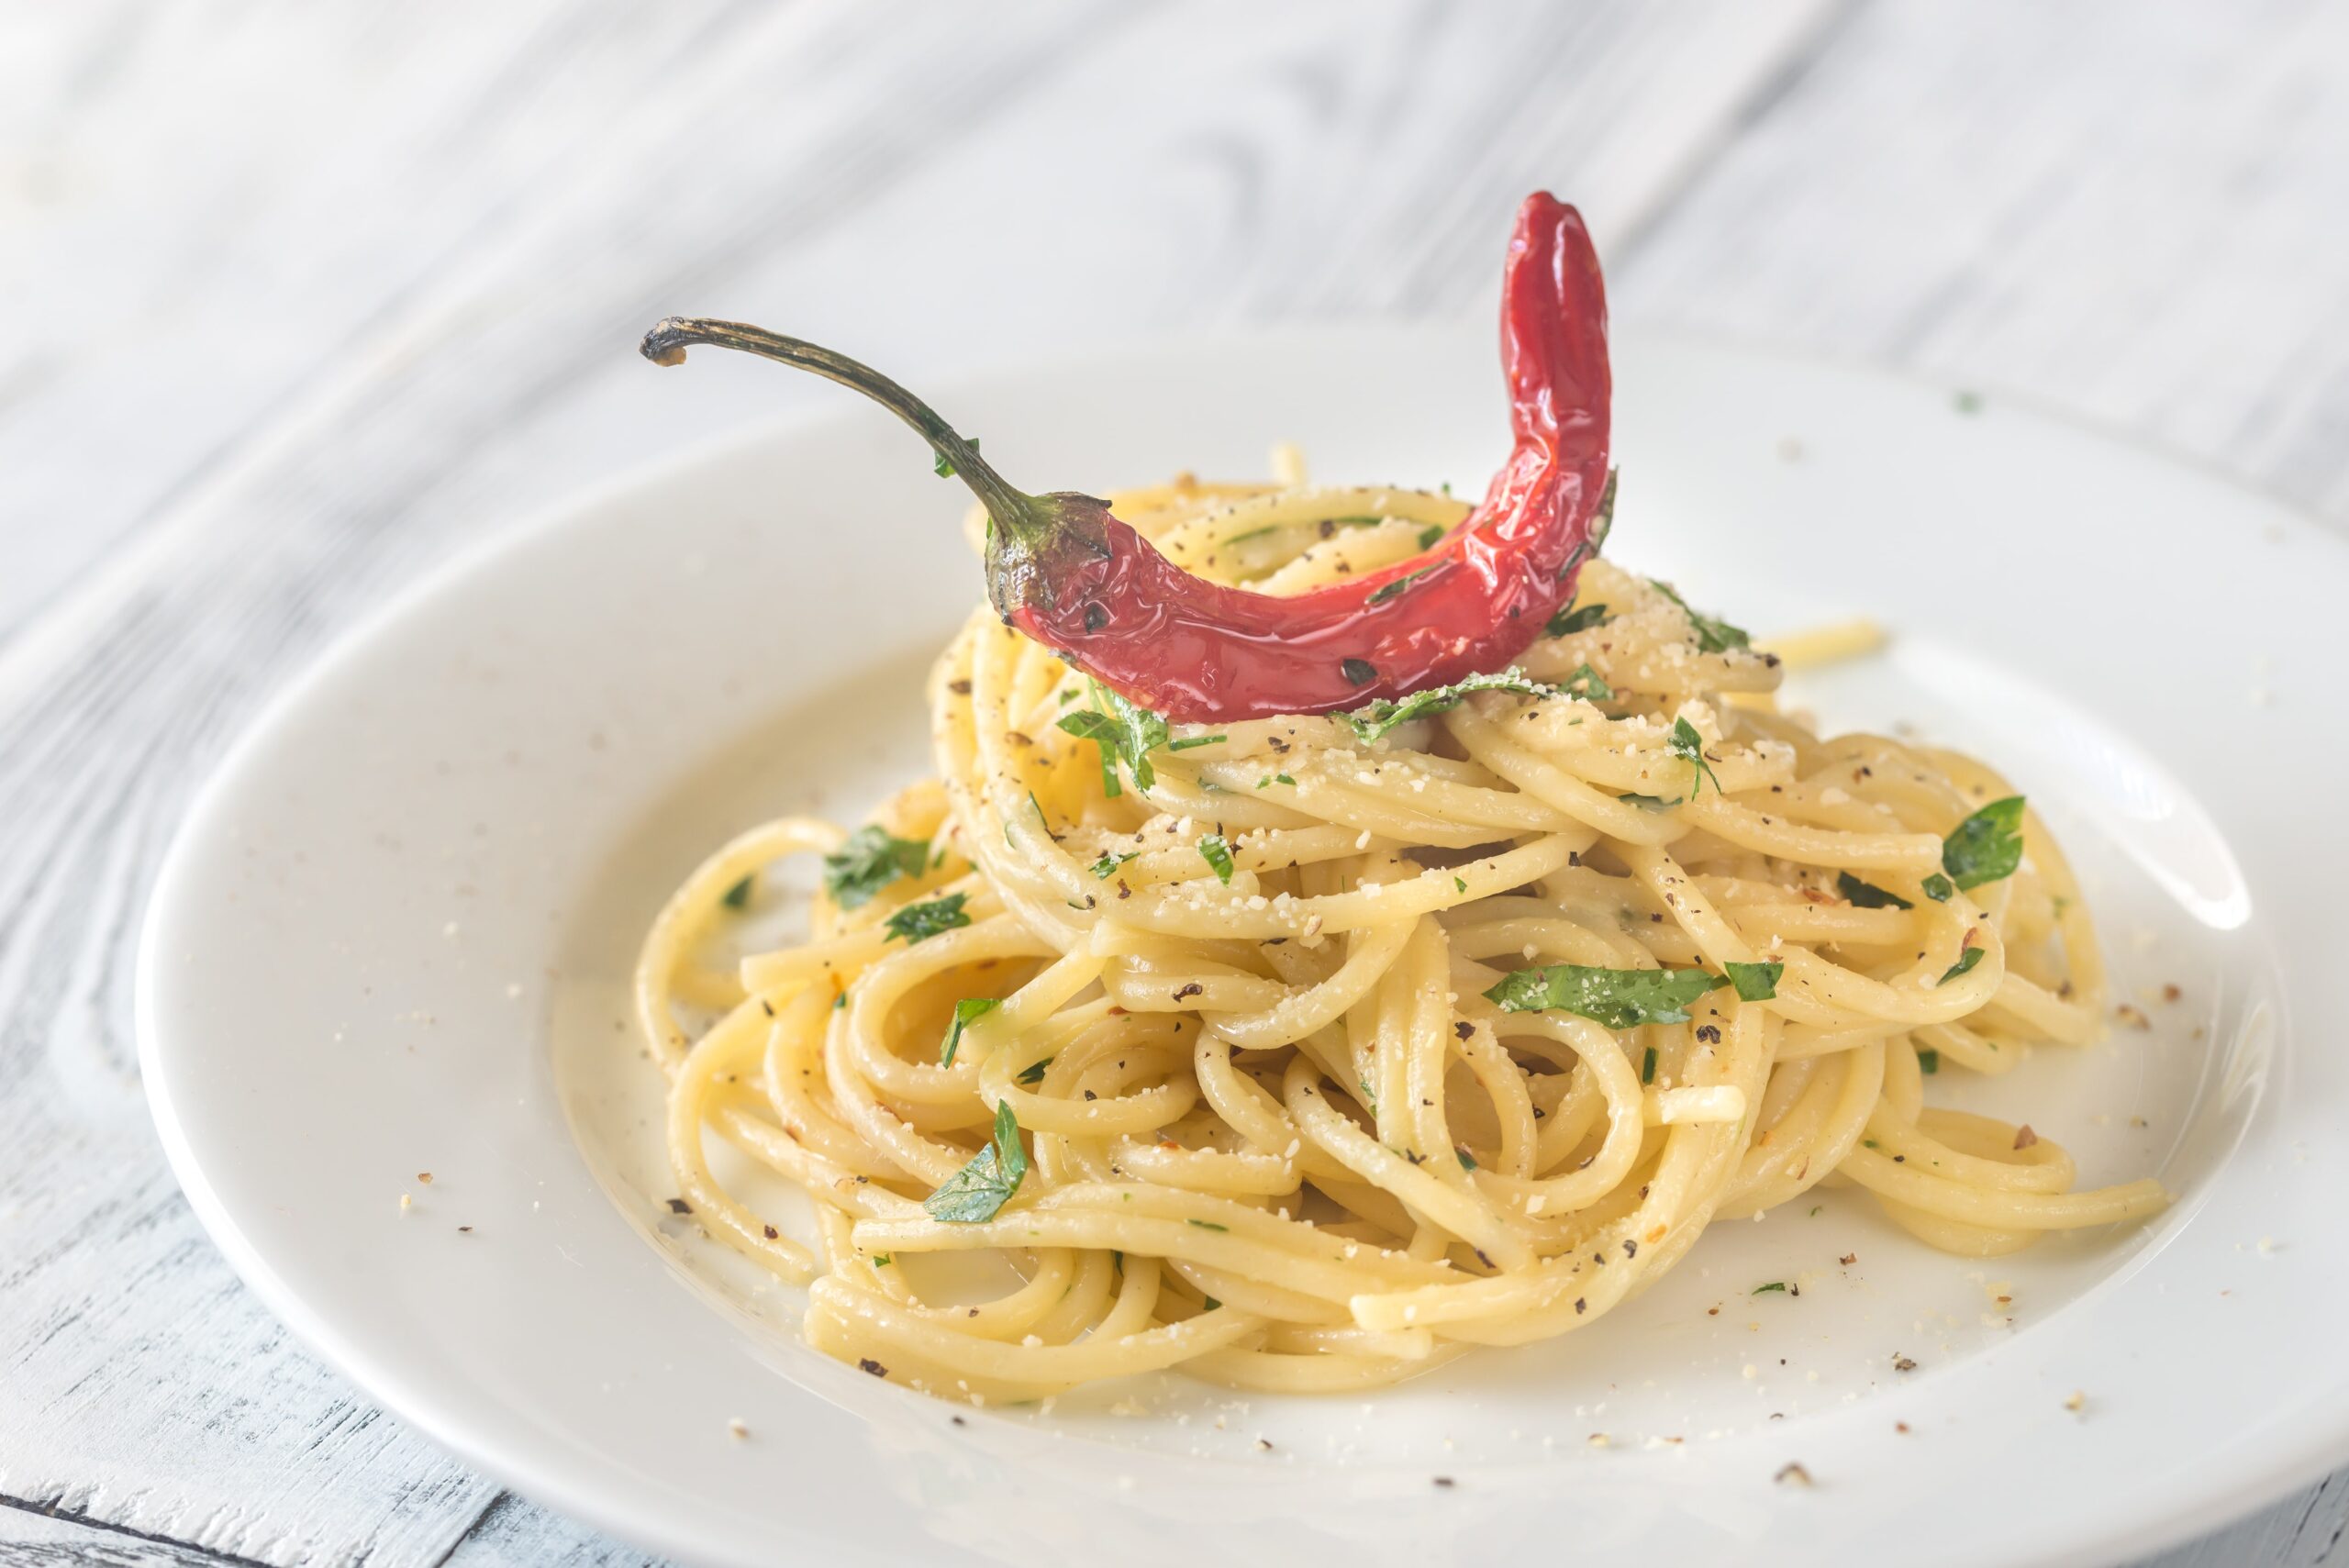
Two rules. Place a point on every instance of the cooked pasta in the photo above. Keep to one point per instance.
(1304, 1060)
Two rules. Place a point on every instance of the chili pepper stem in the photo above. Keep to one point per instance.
(1012, 510)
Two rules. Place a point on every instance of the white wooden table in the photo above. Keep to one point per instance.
(301, 298)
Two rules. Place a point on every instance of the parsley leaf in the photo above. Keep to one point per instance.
(1468, 1161)
(1987, 846)
(944, 468)
(1712, 636)
(1867, 894)
(1570, 620)
(868, 861)
(1126, 733)
(976, 1193)
(1777, 1285)
(1928, 1062)
(1218, 854)
(1690, 747)
(1965, 961)
(739, 896)
(1395, 590)
(1939, 888)
(964, 1011)
(920, 922)
(1618, 998)
(1589, 685)
(1755, 981)
(1375, 719)
(1106, 866)
(1034, 1073)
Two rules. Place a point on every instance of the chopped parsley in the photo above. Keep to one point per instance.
(1649, 802)
(1987, 846)
(1218, 854)
(1034, 1075)
(1618, 998)
(1460, 885)
(1468, 1161)
(1712, 636)
(1755, 982)
(920, 922)
(1777, 1285)
(1939, 888)
(1106, 866)
(1647, 1066)
(1571, 620)
(977, 1192)
(1589, 685)
(964, 1011)
(1965, 961)
(1690, 747)
(1429, 535)
(1395, 590)
(1929, 1062)
(1375, 719)
(1270, 779)
(1867, 894)
(944, 467)
(1126, 732)
(1209, 1225)
(739, 896)
(868, 861)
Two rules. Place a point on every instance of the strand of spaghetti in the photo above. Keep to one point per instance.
(690, 907)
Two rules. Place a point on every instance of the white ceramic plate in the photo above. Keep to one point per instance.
(392, 935)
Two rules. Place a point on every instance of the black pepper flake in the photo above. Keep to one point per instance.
(1630, 1248)
(1902, 1363)
(1445, 1481)
(1582, 1305)
(959, 688)
(766, 1007)
(1358, 671)
(1095, 618)
(679, 1206)
(1192, 989)
(464, 1229)
(771, 1231)
(874, 1367)
(1710, 1033)
(1465, 1030)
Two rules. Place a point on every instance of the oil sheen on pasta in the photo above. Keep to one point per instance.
(1277, 1136)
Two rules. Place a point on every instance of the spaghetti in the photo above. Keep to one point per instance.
(1305, 1053)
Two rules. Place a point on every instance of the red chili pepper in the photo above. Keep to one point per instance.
(1072, 577)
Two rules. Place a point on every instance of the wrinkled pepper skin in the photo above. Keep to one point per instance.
(1069, 574)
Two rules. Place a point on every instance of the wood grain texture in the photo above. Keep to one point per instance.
(326, 292)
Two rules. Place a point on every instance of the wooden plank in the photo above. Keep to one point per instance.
(2129, 210)
(2302, 1532)
(388, 301)
(515, 1532)
(34, 1538)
